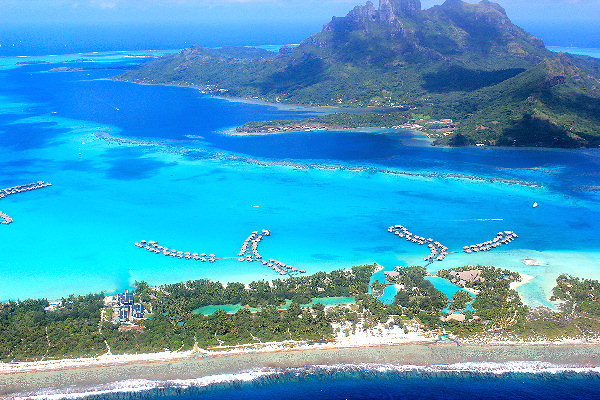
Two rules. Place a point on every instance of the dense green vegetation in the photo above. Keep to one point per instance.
(28, 332)
(499, 310)
(497, 306)
(378, 288)
(173, 324)
(578, 295)
(459, 61)
(578, 314)
(460, 300)
(418, 297)
(74, 328)
(31, 330)
(182, 298)
(269, 324)
(370, 312)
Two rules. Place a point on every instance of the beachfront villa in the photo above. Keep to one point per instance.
(125, 309)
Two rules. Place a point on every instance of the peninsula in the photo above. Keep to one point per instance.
(461, 72)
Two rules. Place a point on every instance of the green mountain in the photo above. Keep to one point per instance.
(459, 61)
(555, 104)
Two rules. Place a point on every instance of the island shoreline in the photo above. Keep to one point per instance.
(319, 110)
(109, 360)
(489, 357)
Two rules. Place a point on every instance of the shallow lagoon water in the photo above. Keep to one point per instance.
(233, 308)
(449, 289)
(328, 200)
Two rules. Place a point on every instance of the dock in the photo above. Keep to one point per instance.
(23, 188)
(154, 247)
(501, 239)
(248, 252)
(437, 251)
(5, 219)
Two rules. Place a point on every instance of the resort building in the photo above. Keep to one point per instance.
(127, 309)
(138, 311)
(124, 313)
(125, 299)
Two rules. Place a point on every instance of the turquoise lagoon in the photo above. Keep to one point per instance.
(233, 308)
(449, 289)
(327, 197)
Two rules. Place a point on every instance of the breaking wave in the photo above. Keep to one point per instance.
(149, 389)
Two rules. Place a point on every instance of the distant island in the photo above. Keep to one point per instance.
(465, 64)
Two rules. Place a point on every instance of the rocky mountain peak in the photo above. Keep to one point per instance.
(492, 13)
(389, 10)
(357, 19)
(456, 31)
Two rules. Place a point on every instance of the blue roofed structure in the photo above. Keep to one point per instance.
(124, 313)
(138, 310)
(125, 298)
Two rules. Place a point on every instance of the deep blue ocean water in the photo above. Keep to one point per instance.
(360, 382)
(376, 386)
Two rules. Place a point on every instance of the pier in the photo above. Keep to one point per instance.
(248, 252)
(154, 247)
(5, 219)
(23, 188)
(501, 238)
(437, 251)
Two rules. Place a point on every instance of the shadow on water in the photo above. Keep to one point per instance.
(26, 136)
(127, 164)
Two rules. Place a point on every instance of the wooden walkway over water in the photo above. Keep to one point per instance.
(248, 252)
(5, 219)
(437, 251)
